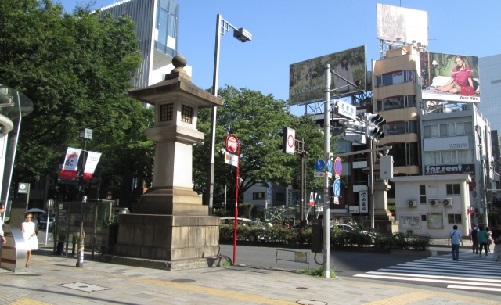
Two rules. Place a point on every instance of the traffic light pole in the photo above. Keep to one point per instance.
(327, 144)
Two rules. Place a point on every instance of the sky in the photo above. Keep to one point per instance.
(290, 31)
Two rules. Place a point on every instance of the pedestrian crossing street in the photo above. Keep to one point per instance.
(471, 272)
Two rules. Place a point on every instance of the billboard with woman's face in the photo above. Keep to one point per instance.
(449, 77)
(348, 69)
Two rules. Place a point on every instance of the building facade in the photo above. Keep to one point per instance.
(490, 88)
(432, 135)
(157, 31)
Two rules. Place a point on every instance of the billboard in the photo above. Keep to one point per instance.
(395, 23)
(449, 77)
(348, 69)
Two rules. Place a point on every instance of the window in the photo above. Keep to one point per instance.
(453, 189)
(167, 26)
(166, 112)
(396, 102)
(448, 157)
(405, 154)
(448, 130)
(258, 196)
(395, 78)
(423, 217)
(465, 156)
(422, 194)
(397, 128)
(187, 114)
(431, 131)
(454, 218)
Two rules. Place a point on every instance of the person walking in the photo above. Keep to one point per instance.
(489, 239)
(455, 236)
(29, 236)
(482, 240)
(473, 238)
(496, 238)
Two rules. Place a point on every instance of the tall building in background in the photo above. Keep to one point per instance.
(490, 70)
(157, 30)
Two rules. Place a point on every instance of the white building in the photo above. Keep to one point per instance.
(490, 89)
(458, 141)
(432, 204)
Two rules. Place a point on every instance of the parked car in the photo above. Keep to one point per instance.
(240, 220)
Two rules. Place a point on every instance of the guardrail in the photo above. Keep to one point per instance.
(298, 257)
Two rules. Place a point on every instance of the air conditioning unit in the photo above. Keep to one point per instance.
(412, 203)
(447, 202)
(433, 201)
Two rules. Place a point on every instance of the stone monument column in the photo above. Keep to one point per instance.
(170, 222)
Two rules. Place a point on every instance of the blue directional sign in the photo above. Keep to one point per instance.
(336, 188)
(319, 165)
(329, 165)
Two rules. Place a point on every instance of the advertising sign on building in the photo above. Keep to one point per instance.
(449, 169)
(450, 77)
(363, 202)
(348, 76)
(396, 23)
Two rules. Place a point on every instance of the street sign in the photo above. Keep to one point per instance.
(231, 159)
(23, 187)
(338, 166)
(336, 187)
(231, 143)
(329, 165)
(289, 140)
(346, 110)
(319, 165)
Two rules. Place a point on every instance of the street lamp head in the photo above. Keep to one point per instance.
(242, 34)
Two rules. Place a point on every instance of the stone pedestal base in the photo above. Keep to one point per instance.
(383, 222)
(167, 237)
(171, 201)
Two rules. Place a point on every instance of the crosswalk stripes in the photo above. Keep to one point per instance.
(471, 272)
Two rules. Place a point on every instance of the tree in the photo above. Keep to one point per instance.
(76, 69)
(257, 120)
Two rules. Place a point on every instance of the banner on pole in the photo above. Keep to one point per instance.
(90, 164)
(70, 164)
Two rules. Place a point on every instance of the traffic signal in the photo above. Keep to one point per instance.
(374, 123)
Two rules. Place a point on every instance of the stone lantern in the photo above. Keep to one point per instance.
(170, 222)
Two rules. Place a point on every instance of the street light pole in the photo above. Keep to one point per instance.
(85, 134)
(222, 26)
(327, 144)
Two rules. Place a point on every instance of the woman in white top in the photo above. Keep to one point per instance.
(30, 237)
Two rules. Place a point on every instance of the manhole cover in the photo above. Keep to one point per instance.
(311, 302)
(83, 287)
(183, 281)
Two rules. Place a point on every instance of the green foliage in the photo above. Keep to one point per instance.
(245, 210)
(257, 120)
(400, 240)
(339, 238)
(76, 69)
(347, 238)
(319, 272)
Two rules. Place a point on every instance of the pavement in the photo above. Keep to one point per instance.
(55, 279)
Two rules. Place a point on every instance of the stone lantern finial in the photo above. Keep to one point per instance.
(179, 62)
